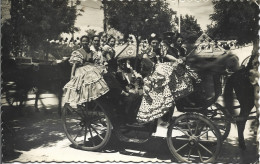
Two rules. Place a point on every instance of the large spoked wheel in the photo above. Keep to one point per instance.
(86, 126)
(15, 97)
(192, 138)
(219, 116)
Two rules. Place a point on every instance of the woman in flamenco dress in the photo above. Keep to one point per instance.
(87, 82)
(169, 81)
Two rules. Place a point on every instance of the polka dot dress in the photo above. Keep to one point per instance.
(168, 82)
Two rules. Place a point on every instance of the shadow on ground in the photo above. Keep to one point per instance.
(231, 152)
(155, 147)
(26, 129)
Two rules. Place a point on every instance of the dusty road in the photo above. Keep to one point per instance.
(39, 137)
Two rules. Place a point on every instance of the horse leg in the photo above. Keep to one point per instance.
(37, 95)
(240, 128)
(241, 123)
(60, 102)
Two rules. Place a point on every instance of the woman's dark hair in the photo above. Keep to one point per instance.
(95, 36)
(178, 35)
(84, 36)
(109, 38)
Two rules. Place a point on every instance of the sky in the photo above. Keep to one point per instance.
(92, 17)
(200, 9)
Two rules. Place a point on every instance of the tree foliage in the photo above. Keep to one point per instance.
(234, 20)
(35, 21)
(190, 29)
(6, 40)
(140, 18)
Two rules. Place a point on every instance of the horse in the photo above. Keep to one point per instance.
(51, 78)
(246, 93)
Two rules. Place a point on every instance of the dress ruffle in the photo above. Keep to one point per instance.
(167, 83)
(88, 84)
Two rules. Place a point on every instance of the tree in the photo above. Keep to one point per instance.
(35, 21)
(190, 29)
(140, 18)
(6, 31)
(234, 20)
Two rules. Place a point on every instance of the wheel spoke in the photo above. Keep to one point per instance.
(200, 156)
(85, 135)
(196, 128)
(182, 147)
(73, 110)
(188, 126)
(78, 134)
(97, 132)
(95, 107)
(184, 132)
(206, 149)
(203, 133)
(83, 111)
(92, 138)
(189, 154)
(200, 128)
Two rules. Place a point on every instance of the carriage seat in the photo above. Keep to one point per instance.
(205, 93)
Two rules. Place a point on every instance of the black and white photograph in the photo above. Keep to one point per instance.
(130, 81)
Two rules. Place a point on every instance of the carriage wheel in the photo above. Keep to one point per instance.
(86, 126)
(15, 97)
(219, 117)
(193, 138)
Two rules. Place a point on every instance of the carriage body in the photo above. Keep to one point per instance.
(100, 116)
(22, 75)
(17, 79)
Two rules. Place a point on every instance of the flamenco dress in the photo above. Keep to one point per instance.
(88, 83)
(169, 81)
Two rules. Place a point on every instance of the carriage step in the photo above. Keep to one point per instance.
(123, 138)
(95, 113)
(244, 118)
(137, 125)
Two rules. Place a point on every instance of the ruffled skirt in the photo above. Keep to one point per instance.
(167, 83)
(88, 84)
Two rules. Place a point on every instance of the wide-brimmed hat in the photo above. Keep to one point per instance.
(170, 36)
(153, 36)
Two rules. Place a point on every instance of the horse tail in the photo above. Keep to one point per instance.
(228, 96)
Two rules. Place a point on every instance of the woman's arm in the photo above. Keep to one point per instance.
(73, 70)
(107, 55)
(170, 57)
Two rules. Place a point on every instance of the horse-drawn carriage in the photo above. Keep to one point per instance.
(15, 75)
(196, 135)
(20, 77)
